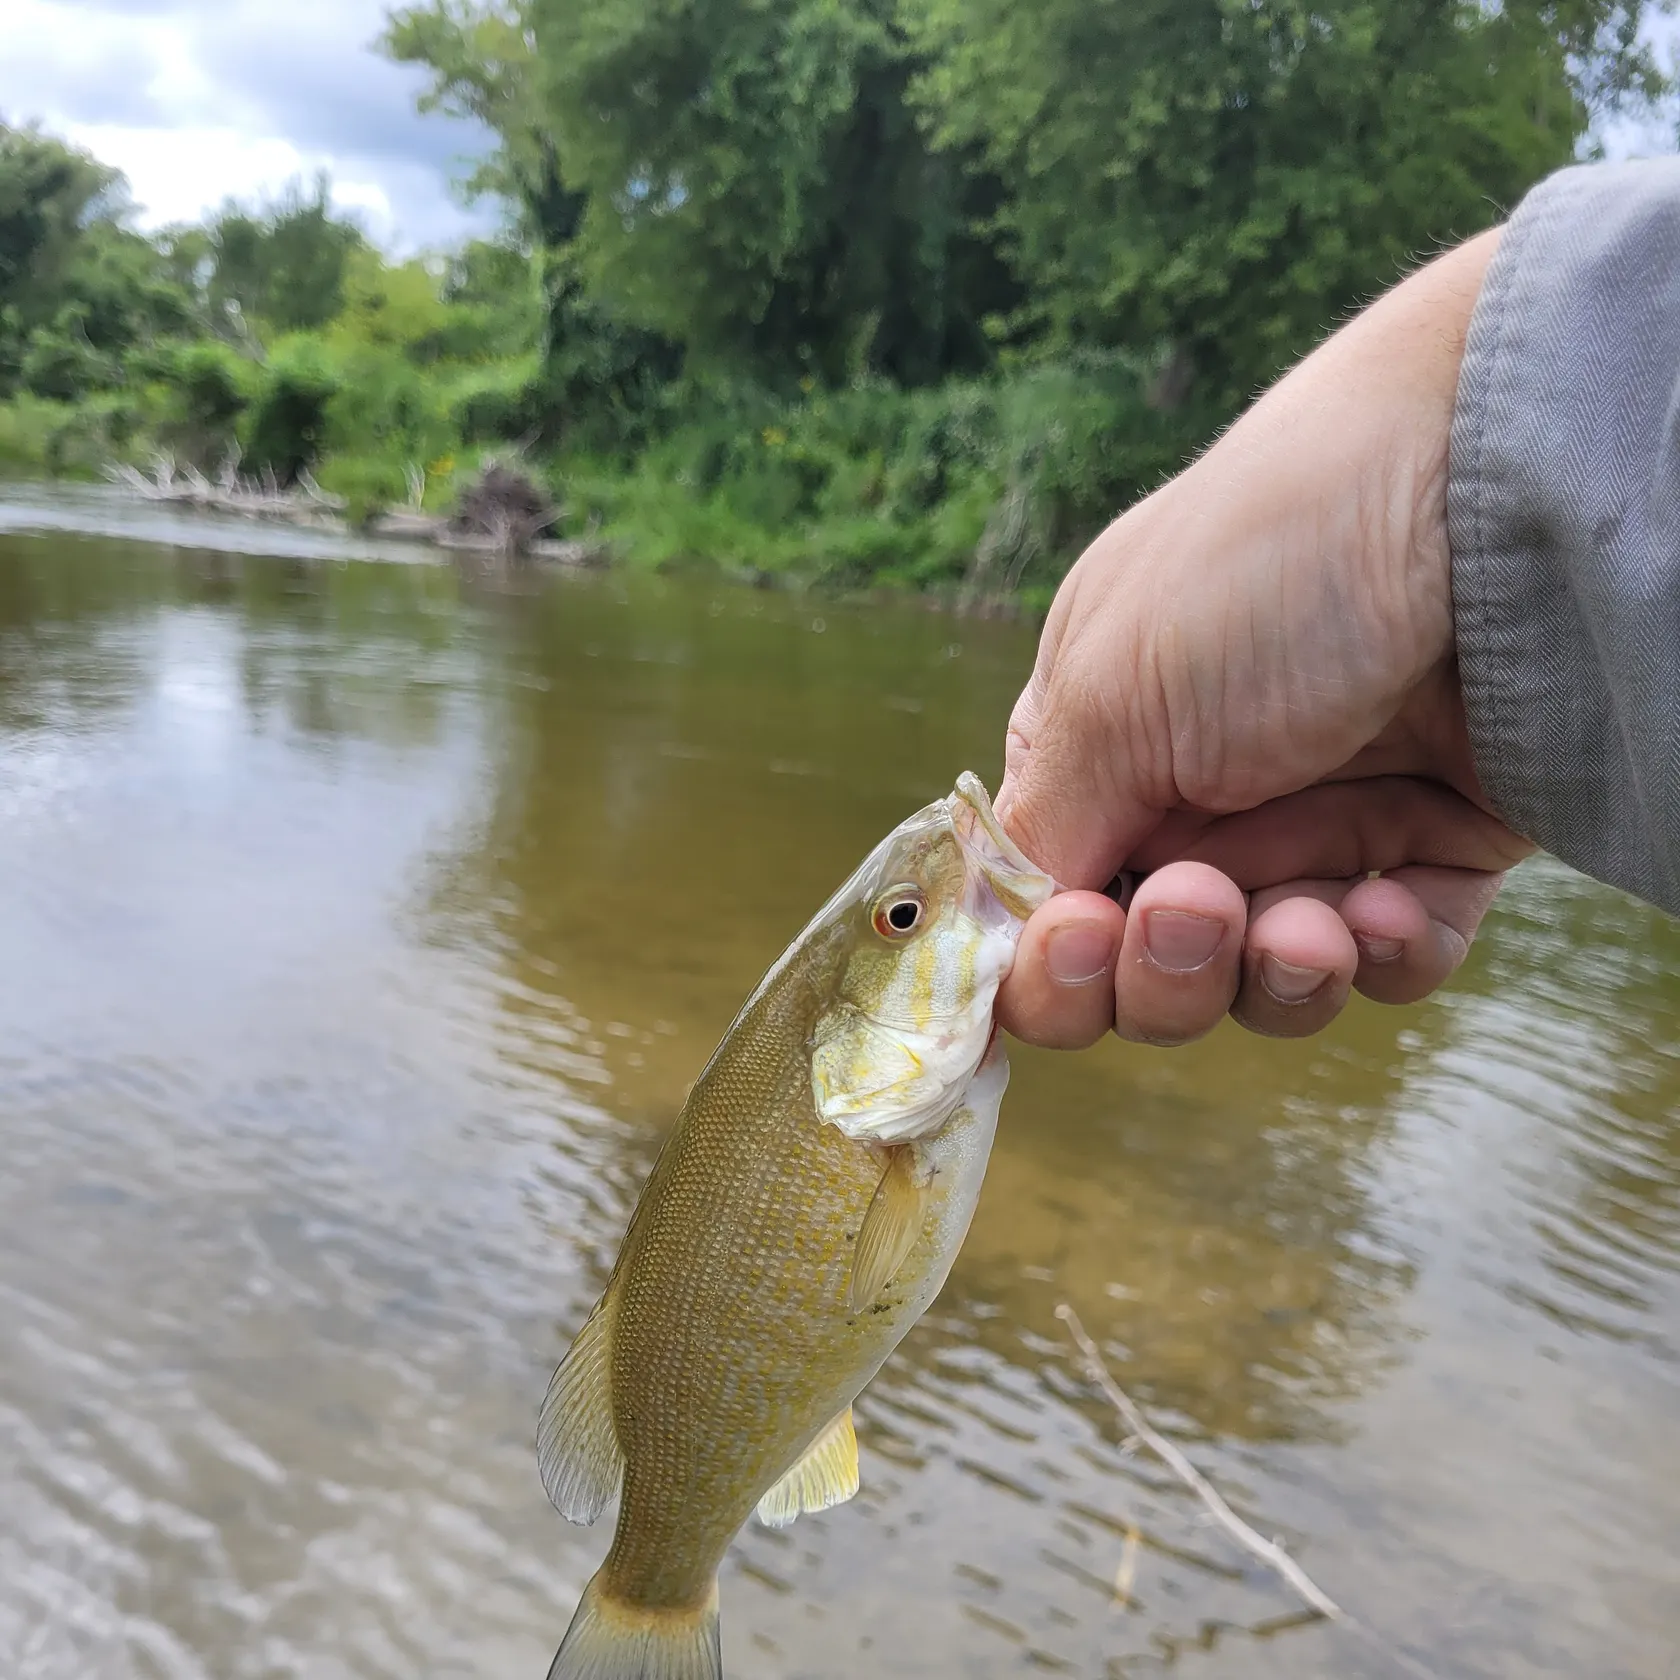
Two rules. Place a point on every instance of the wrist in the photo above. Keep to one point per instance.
(1430, 322)
(1367, 420)
(1421, 329)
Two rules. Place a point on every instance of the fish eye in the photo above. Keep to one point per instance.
(899, 913)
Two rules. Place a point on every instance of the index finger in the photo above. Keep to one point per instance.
(1071, 796)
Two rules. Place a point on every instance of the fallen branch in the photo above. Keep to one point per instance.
(1267, 1551)
(1125, 1576)
(303, 502)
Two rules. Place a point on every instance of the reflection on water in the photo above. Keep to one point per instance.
(364, 927)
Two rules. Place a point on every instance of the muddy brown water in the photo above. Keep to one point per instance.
(362, 925)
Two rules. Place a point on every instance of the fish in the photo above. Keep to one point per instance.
(802, 1215)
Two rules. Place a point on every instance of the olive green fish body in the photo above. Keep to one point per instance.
(750, 1228)
(775, 1259)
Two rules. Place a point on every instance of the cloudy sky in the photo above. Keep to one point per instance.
(197, 100)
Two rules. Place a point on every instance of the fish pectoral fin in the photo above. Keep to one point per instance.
(577, 1446)
(827, 1475)
(890, 1227)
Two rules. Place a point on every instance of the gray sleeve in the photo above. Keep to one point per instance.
(1564, 520)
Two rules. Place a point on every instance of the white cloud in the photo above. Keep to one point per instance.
(201, 100)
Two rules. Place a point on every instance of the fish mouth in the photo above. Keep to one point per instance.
(1017, 884)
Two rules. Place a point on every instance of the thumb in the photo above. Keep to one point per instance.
(1070, 796)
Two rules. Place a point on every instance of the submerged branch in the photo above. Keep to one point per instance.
(1269, 1552)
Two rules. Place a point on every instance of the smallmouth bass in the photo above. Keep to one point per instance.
(802, 1215)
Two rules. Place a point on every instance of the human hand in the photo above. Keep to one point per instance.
(1246, 690)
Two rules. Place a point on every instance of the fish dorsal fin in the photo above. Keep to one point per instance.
(577, 1446)
(890, 1227)
(827, 1475)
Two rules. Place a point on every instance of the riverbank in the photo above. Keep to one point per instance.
(82, 508)
(978, 492)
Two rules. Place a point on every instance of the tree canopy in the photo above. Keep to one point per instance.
(900, 187)
(284, 262)
(49, 193)
(1229, 176)
(761, 190)
(921, 288)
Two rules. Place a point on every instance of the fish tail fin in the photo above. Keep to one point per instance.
(612, 1640)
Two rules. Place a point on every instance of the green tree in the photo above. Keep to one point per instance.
(394, 305)
(283, 263)
(496, 298)
(599, 374)
(1225, 177)
(483, 66)
(188, 257)
(760, 190)
(49, 194)
(114, 295)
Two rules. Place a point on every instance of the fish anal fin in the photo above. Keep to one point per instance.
(826, 1475)
(890, 1227)
(577, 1446)
(612, 1640)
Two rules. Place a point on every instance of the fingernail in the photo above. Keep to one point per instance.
(1078, 953)
(1180, 942)
(1289, 984)
(1378, 950)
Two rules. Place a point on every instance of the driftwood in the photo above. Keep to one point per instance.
(501, 516)
(420, 527)
(255, 497)
(502, 513)
(1269, 1552)
(403, 522)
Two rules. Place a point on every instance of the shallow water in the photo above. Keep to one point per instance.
(363, 925)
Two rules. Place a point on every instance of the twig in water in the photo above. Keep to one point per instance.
(1269, 1552)
(1126, 1574)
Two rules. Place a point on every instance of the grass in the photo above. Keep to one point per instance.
(986, 486)
(27, 426)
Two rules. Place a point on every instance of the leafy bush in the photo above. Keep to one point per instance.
(497, 403)
(61, 365)
(27, 426)
(287, 424)
(68, 439)
(207, 388)
(383, 405)
(989, 485)
(602, 383)
(368, 483)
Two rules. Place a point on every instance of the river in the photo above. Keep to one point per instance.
(364, 921)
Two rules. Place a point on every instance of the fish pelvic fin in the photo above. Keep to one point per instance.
(826, 1475)
(577, 1446)
(890, 1226)
(612, 1640)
